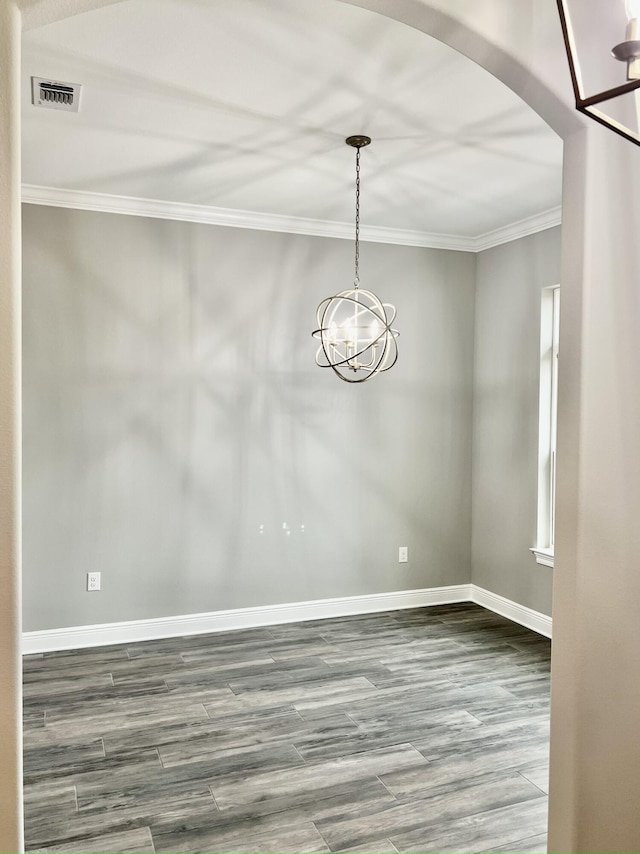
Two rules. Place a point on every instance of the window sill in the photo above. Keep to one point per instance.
(543, 556)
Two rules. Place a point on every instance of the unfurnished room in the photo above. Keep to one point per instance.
(316, 419)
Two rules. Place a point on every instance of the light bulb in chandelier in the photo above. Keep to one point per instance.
(632, 8)
(355, 330)
(629, 50)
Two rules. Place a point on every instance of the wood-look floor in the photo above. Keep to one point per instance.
(422, 730)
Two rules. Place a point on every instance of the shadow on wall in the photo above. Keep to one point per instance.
(195, 455)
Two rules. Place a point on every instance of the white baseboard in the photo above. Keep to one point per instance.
(78, 637)
(527, 617)
(238, 618)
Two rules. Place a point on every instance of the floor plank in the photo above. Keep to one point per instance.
(418, 730)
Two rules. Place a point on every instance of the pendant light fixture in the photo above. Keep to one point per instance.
(605, 70)
(354, 326)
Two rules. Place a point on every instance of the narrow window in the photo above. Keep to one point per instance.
(549, 358)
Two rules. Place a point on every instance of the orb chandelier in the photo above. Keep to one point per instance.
(605, 70)
(357, 340)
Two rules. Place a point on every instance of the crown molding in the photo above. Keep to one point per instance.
(107, 203)
(521, 228)
(83, 200)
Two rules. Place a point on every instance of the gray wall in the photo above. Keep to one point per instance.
(172, 407)
(509, 279)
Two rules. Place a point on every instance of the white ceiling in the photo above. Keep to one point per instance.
(245, 104)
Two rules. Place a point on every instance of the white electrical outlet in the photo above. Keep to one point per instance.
(403, 554)
(93, 581)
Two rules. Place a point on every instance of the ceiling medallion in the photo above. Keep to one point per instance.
(357, 340)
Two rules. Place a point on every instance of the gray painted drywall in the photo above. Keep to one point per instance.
(172, 407)
(509, 279)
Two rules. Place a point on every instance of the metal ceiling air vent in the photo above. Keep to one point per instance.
(55, 95)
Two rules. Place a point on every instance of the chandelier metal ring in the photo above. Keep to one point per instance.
(374, 352)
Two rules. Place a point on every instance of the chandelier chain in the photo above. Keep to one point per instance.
(356, 280)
